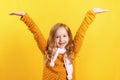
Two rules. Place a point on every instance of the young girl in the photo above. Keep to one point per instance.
(60, 49)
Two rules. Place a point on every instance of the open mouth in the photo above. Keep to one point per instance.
(62, 44)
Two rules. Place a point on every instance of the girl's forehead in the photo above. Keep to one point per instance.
(61, 30)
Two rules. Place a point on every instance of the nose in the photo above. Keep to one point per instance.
(61, 39)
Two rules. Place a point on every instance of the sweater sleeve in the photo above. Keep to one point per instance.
(41, 42)
(78, 39)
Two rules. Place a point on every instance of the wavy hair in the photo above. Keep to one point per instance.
(51, 41)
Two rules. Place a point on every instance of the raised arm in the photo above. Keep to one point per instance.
(89, 17)
(41, 42)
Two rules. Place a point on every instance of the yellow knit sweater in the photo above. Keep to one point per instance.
(58, 72)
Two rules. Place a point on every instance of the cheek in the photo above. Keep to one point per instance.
(67, 39)
(56, 40)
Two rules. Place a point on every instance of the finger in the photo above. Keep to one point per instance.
(101, 11)
(105, 10)
(11, 13)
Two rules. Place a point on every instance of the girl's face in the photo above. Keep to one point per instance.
(61, 38)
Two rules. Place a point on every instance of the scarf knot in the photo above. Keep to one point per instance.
(67, 63)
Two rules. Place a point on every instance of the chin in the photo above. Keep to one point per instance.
(61, 46)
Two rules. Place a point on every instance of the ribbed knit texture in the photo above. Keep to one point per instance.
(58, 72)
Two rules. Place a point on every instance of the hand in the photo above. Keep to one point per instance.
(17, 13)
(99, 10)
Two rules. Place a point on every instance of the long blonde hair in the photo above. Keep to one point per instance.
(51, 41)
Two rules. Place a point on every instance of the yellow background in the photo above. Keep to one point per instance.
(20, 58)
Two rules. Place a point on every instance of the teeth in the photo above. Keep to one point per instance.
(62, 43)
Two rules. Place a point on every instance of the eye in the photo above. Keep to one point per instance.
(57, 37)
(64, 35)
